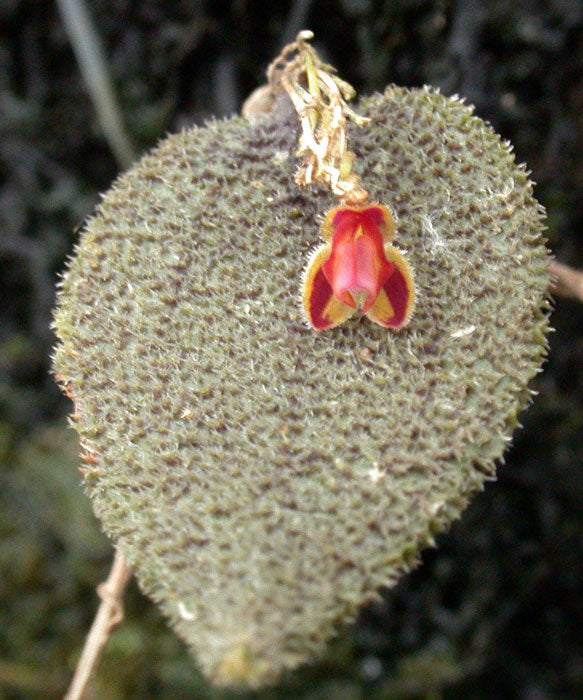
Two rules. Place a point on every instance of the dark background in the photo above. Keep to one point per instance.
(496, 610)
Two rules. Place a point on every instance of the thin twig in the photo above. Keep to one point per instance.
(87, 48)
(108, 617)
(566, 282)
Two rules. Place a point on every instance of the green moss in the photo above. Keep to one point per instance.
(263, 479)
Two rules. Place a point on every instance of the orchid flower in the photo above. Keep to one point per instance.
(358, 270)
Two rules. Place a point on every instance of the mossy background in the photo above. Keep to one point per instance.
(496, 611)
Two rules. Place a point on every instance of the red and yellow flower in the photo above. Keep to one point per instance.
(358, 270)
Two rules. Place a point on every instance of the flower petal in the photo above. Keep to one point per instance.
(323, 310)
(380, 217)
(340, 268)
(394, 304)
(375, 215)
(372, 268)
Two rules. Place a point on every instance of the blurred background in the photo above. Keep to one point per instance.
(496, 610)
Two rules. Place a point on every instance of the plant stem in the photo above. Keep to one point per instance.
(109, 615)
(566, 282)
(92, 64)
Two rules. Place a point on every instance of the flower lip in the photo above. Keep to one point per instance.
(357, 267)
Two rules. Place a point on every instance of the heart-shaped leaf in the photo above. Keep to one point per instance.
(263, 479)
